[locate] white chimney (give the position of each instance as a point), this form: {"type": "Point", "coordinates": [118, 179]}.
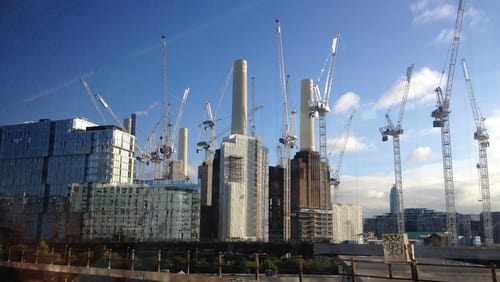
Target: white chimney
{"type": "Point", "coordinates": [183, 149]}
{"type": "Point", "coordinates": [239, 110]}
{"type": "Point", "coordinates": [306, 121]}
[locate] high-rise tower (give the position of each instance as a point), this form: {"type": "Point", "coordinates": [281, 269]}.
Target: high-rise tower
{"type": "Point", "coordinates": [393, 200]}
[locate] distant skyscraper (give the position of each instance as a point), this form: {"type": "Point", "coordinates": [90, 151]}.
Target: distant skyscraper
{"type": "Point", "coordinates": [38, 161]}
{"type": "Point", "coordinates": [393, 198]}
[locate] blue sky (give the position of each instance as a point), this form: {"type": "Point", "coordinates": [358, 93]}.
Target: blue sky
{"type": "Point", "coordinates": [47, 46]}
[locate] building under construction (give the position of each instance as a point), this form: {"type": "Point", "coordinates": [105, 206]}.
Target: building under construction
{"type": "Point", "coordinates": [238, 200]}
{"type": "Point", "coordinates": [347, 223]}
{"type": "Point", "coordinates": [310, 197]}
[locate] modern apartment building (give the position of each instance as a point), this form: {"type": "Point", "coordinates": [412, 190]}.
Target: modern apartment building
{"type": "Point", "coordinates": [38, 162]}
{"type": "Point", "coordinates": [152, 210]}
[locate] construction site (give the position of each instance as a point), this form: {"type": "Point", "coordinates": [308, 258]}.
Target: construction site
{"type": "Point", "coordinates": [77, 179]}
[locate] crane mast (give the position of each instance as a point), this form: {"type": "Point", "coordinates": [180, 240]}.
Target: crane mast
{"type": "Point", "coordinates": [253, 110]}
{"type": "Point", "coordinates": [166, 112]}
{"type": "Point", "coordinates": [170, 149]}
{"type": "Point", "coordinates": [208, 123]}
{"type": "Point", "coordinates": [395, 130]}
{"type": "Point", "coordinates": [320, 108]}
{"type": "Point", "coordinates": [108, 108]}
{"type": "Point", "coordinates": [335, 180]}
{"type": "Point", "coordinates": [287, 138]}
{"type": "Point", "coordinates": [93, 98]}
{"type": "Point", "coordinates": [441, 119]}
{"type": "Point", "coordinates": [483, 143]}
{"type": "Point", "coordinates": [209, 142]}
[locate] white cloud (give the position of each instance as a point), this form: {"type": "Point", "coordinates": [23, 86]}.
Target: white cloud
{"type": "Point", "coordinates": [420, 154]}
{"type": "Point", "coordinates": [475, 18]}
{"type": "Point", "coordinates": [374, 194]}
{"type": "Point", "coordinates": [444, 37]}
{"type": "Point", "coordinates": [429, 131]}
{"type": "Point", "coordinates": [425, 12]}
{"type": "Point", "coordinates": [368, 112]}
{"type": "Point", "coordinates": [422, 85]}
{"type": "Point", "coordinates": [430, 11]}
{"type": "Point", "coordinates": [353, 144]}
{"type": "Point", "coordinates": [346, 102]}
{"type": "Point", "coordinates": [390, 97]}
{"type": "Point", "coordinates": [148, 109]}
{"type": "Point", "coordinates": [419, 5]}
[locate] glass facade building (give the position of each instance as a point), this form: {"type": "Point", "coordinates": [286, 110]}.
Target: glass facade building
{"type": "Point", "coordinates": [146, 211]}
{"type": "Point", "coordinates": [38, 162]}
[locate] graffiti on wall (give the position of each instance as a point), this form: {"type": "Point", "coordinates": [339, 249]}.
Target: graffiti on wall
{"type": "Point", "coordinates": [395, 248]}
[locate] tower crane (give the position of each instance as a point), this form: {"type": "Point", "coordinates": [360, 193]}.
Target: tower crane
{"type": "Point", "coordinates": [319, 108]}
{"type": "Point", "coordinates": [210, 121]}
{"type": "Point", "coordinates": [253, 110]}
{"type": "Point", "coordinates": [108, 108]}
{"type": "Point", "coordinates": [335, 174]}
{"type": "Point", "coordinates": [483, 143]}
{"type": "Point", "coordinates": [94, 101]}
{"type": "Point", "coordinates": [395, 130]}
{"type": "Point", "coordinates": [287, 139]}
{"type": "Point", "coordinates": [166, 112]}
{"type": "Point", "coordinates": [441, 119]}
{"type": "Point", "coordinates": [97, 97]}
{"type": "Point", "coordinates": [169, 148]}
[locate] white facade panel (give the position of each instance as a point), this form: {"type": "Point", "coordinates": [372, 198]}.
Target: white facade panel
{"type": "Point", "coordinates": [243, 196]}
{"type": "Point", "coordinates": [347, 222]}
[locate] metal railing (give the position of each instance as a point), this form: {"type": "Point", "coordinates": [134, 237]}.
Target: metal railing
{"type": "Point", "coordinates": [357, 269]}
